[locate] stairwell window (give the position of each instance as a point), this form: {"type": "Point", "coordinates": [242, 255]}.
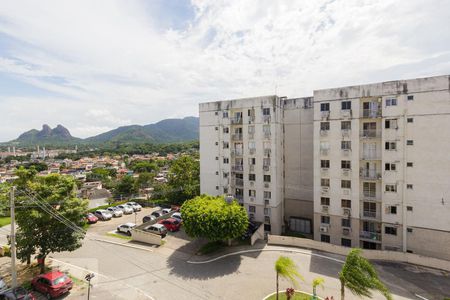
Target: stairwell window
{"type": "Point", "coordinates": [346, 222]}
{"type": "Point", "coordinates": [410, 97]}
{"type": "Point", "coordinates": [391, 124]}
{"type": "Point", "coordinates": [266, 111]}
{"type": "Point", "coordinates": [225, 114]}
{"type": "Point", "coordinates": [346, 145]}
{"type": "Point", "coordinates": [267, 195]}
{"type": "Point", "coordinates": [325, 238]}
{"type": "Point", "coordinates": [391, 210]}
{"type": "Point", "coordinates": [266, 178]}
{"type": "Point", "coordinates": [252, 193]}
{"type": "Point", "coordinates": [226, 130]}
{"type": "Point", "coordinates": [251, 177]}
{"type": "Point", "coordinates": [409, 186]}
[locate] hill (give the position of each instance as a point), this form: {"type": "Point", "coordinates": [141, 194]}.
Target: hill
{"type": "Point", "coordinates": [46, 136]}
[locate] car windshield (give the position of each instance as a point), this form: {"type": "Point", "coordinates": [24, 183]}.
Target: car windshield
{"type": "Point", "coordinates": [59, 280]}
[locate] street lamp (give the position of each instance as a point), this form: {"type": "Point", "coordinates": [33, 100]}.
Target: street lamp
{"type": "Point", "coordinates": [88, 278]}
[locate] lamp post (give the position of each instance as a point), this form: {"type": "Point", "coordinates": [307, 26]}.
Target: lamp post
{"type": "Point", "coordinates": [88, 278]}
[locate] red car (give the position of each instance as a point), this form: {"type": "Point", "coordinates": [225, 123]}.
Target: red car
{"type": "Point", "coordinates": [52, 284]}
{"type": "Point", "coordinates": [171, 224]}
{"type": "Point", "coordinates": [91, 218]}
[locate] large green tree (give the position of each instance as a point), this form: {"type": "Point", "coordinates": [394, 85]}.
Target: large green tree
{"type": "Point", "coordinates": [125, 187]}
{"type": "Point", "coordinates": [184, 179]}
{"type": "Point", "coordinates": [214, 218]}
{"type": "Point", "coordinates": [360, 277]}
{"type": "Point", "coordinates": [42, 203]}
{"type": "Point", "coordinates": [144, 166]}
{"type": "Point", "coordinates": [286, 268]}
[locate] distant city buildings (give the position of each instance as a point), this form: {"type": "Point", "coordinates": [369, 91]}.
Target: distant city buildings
{"type": "Point", "coordinates": [361, 166]}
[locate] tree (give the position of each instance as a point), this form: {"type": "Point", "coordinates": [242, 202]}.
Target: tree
{"type": "Point", "coordinates": [286, 268]}
{"type": "Point", "coordinates": [125, 187]}
{"type": "Point", "coordinates": [213, 218]}
{"type": "Point", "coordinates": [184, 179]}
{"type": "Point", "coordinates": [317, 282]}
{"type": "Point", "coordinates": [144, 180]}
{"type": "Point", "coordinates": [39, 231]}
{"type": "Point", "coordinates": [144, 166]}
{"type": "Point", "coordinates": [360, 277]}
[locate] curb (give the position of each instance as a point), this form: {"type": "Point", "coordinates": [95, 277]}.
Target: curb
{"type": "Point", "coordinates": [297, 291]}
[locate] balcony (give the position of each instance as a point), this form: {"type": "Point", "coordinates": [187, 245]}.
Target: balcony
{"type": "Point", "coordinates": [370, 133]}
{"type": "Point", "coordinates": [239, 182]}
{"type": "Point", "coordinates": [368, 174]}
{"type": "Point", "coordinates": [237, 137]}
{"type": "Point", "coordinates": [237, 168]}
{"type": "Point", "coordinates": [236, 121]}
{"type": "Point", "coordinates": [237, 152]}
{"type": "Point", "coordinates": [324, 133]}
{"type": "Point", "coordinates": [369, 196]}
{"type": "Point", "coordinates": [371, 156]}
{"type": "Point", "coordinates": [267, 135]}
{"type": "Point", "coordinates": [371, 113]}
{"type": "Point", "coordinates": [325, 115]}
{"type": "Point", "coordinates": [369, 214]}
{"type": "Point", "coordinates": [369, 235]}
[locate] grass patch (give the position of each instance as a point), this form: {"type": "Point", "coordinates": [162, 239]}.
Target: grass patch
{"type": "Point", "coordinates": [120, 236]}
{"type": "Point", "coordinates": [210, 247]}
{"type": "Point", "coordinates": [297, 296]}
{"type": "Point", "coordinates": [5, 221]}
{"type": "Point", "coordinates": [78, 282]}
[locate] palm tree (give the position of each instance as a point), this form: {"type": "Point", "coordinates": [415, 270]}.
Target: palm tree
{"type": "Point", "coordinates": [317, 282]}
{"type": "Point", "coordinates": [286, 268]}
{"type": "Point", "coordinates": [360, 277]}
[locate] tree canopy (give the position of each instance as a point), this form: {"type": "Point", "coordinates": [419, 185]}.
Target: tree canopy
{"type": "Point", "coordinates": [125, 187]}
{"type": "Point", "coordinates": [184, 179]}
{"type": "Point", "coordinates": [213, 218]}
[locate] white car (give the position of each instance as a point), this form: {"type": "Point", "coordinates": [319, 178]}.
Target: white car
{"type": "Point", "coordinates": [115, 212]}
{"type": "Point", "coordinates": [126, 228]}
{"type": "Point", "coordinates": [135, 206]}
{"type": "Point", "coordinates": [103, 214]}
{"type": "Point", "coordinates": [126, 209]}
{"type": "Point", "coordinates": [177, 215]}
{"type": "Point", "coordinates": [166, 210]}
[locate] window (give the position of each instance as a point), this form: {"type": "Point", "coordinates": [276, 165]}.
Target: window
{"type": "Point", "coordinates": [252, 193]}
{"type": "Point", "coordinates": [217, 172]}
{"type": "Point", "coordinates": [410, 120]}
{"type": "Point", "coordinates": [324, 238]}
{"type": "Point", "coordinates": [409, 186]}
{"type": "Point", "coordinates": [390, 167]}
{"type": "Point", "coordinates": [324, 164]}
{"type": "Point", "coordinates": [251, 129]}
{"type": "Point", "coordinates": [225, 160]}
{"type": "Point", "coordinates": [251, 177]}
{"type": "Point", "coordinates": [217, 143]}
{"type": "Point", "coordinates": [266, 162]}
{"type": "Point", "coordinates": [391, 210]}
{"type": "Point", "coordinates": [325, 219]}
{"type": "Point", "coordinates": [391, 124]}
{"type": "Point", "coordinates": [267, 211]}
{"type": "Point", "coordinates": [266, 178]}
{"type": "Point", "coordinates": [226, 130]}
{"type": "Point", "coordinates": [226, 145]}
{"type": "Point", "coordinates": [346, 184]}
{"type": "Point", "coordinates": [346, 222]}
{"type": "Point", "coordinates": [391, 101]}
{"type": "Point", "coordinates": [267, 194]}
{"type": "Point", "coordinates": [217, 158]}
{"type": "Point", "coordinates": [216, 128]}
{"type": "Point", "coordinates": [409, 142]}
{"type": "Point", "coordinates": [324, 182]}
{"type": "Point", "coordinates": [324, 201]}
{"type": "Point", "coordinates": [252, 161]}
{"type": "Point", "coordinates": [266, 111]}
{"type": "Point", "coordinates": [216, 113]}
{"type": "Point", "coordinates": [346, 105]}
{"type": "Point", "coordinates": [346, 125]}
{"type": "Point", "coordinates": [252, 145]}
{"type": "Point", "coordinates": [324, 106]}
{"type": "Point", "coordinates": [390, 146]}
{"type": "Point", "coordinates": [346, 242]}
{"type": "Point", "coordinates": [252, 209]}
{"type": "Point", "coordinates": [346, 203]}
{"type": "Point", "coordinates": [346, 145]}
{"type": "Point", "coordinates": [225, 174]}
{"type": "Point", "coordinates": [391, 188]}
{"type": "Point", "coordinates": [410, 97]}
{"type": "Point", "coordinates": [409, 230]}
{"type": "Point", "coordinates": [324, 125]}
{"type": "Point", "coordinates": [217, 187]}
{"type": "Point", "coordinates": [369, 189]}
{"type": "Point", "coordinates": [409, 208]}
{"type": "Point", "coordinates": [225, 114]}
{"type": "Point", "coordinates": [390, 230]}
{"type": "Point", "coordinates": [345, 164]}
{"type": "Point", "coordinates": [409, 164]}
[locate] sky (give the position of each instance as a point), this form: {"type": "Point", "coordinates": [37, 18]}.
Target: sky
{"type": "Point", "coordinates": [95, 65]}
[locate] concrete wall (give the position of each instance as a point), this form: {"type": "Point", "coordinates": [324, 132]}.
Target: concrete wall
{"type": "Point", "coordinates": [145, 237]}
{"type": "Point", "coordinates": [369, 254]}
{"type": "Point", "coordinates": [257, 235]}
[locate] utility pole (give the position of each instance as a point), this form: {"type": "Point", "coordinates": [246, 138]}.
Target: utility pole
{"type": "Point", "coordinates": [13, 241]}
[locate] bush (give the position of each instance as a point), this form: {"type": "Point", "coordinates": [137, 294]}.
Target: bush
{"type": "Point", "coordinates": [6, 251]}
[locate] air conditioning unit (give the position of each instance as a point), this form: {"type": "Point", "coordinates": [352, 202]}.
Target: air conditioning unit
{"type": "Point", "coordinates": [346, 191]}
{"type": "Point", "coordinates": [346, 231]}
{"type": "Point", "coordinates": [347, 211]}
{"type": "Point", "coordinates": [266, 185]}
{"type": "Point", "coordinates": [323, 229]}
{"type": "Point", "coordinates": [345, 172]}
{"type": "Point", "coordinates": [252, 183]}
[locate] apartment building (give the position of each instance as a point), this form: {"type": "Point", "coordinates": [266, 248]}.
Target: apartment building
{"type": "Point", "coordinates": [259, 151]}
{"type": "Point", "coordinates": [382, 166]}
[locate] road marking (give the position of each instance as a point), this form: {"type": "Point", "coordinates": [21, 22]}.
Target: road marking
{"type": "Point", "coordinates": [121, 244]}
{"type": "Point", "coordinates": [261, 250]}
{"type": "Point", "coordinates": [105, 276]}
{"type": "Point", "coordinates": [421, 297]}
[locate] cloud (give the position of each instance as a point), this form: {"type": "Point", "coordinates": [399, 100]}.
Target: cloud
{"type": "Point", "coordinates": [134, 63]}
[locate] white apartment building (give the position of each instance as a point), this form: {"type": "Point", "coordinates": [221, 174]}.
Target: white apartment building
{"type": "Point", "coordinates": [245, 153]}
{"type": "Point", "coordinates": [382, 166]}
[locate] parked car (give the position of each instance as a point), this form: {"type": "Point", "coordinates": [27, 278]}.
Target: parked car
{"type": "Point", "coordinates": [116, 213]}
{"type": "Point", "coordinates": [166, 210]}
{"type": "Point", "coordinates": [157, 213]}
{"type": "Point", "coordinates": [18, 293]}
{"type": "Point", "coordinates": [148, 218]}
{"type": "Point", "coordinates": [103, 214]}
{"type": "Point", "coordinates": [52, 284]}
{"type": "Point", "coordinates": [126, 209]}
{"type": "Point", "coordinates": [91, 218]}
{"type": "Point", "coordinates": [157, 229]}
{"type": "Point", "coordinates": [135, 206]}
{"type": "Point", "coordinates": [126, 228]}
{"type": "Point", "coordinates": [177, 215]}
{"type": "Point", "coordinates": [171, 224]}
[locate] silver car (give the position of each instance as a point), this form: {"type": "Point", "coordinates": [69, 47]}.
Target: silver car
{"type": "Point", "coordinates": [115, 212]}
{"type": "Point", "coordinates": [126, 228]}
{"type": "Point", "coordinates": [135, 206]}
{"type": "Point", "coordinates": [103, 214]}
{"type": "Point", "coordinates": [126, 209]}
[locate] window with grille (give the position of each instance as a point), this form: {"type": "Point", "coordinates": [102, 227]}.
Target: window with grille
{"type": "Point", "coordinates": [346, 105]}
{"type": "Point", "coordinates": [346, 203]}
{"type": "Point", "coordinates": [324, 201]}
{"type": "Point", "coordinates": [346, 184]}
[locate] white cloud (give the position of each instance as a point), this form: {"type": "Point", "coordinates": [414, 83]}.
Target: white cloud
{"type": "Point", "coordinates": [114, 58]}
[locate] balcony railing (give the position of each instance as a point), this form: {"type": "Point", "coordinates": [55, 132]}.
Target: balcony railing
{"type": "Point", "coordinates": [266, 168]}
{"type": "Point", "coordinates": [252, 151]}
{"type": "Point", "coordinates": [370, 196]}
{"type": "Point", "coordinates": [369, 214]}
{"type": "Point", "coordinates": [251, 136]}
{"type": "Point", "coordinates": [266, 119]}
{"type": "Point", "coordinates": [237, 137]}
{"type": "Point", "coordinates": [370, 133]}
{"type": "Point", "coordinates": [236, 120]}
{"type": "Point", "coordinates": [371, 113]}
{"type": "Point", "coordinates": [267, 152]}
{"type": "Point", "coordinates": [369, 174]}
{"type": "Point", "coordinates": [267, 135]}
{"type": "Point", "coordinates": [237, 152]}
{"type": "Point", "coordinates": [239, 182]}
{"type": "Point", "coordinates": [237, 168]}
{"type": "Point", "coordinates": [371, 156]}
{"type": "Point", "coordinates": [369, 235]}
